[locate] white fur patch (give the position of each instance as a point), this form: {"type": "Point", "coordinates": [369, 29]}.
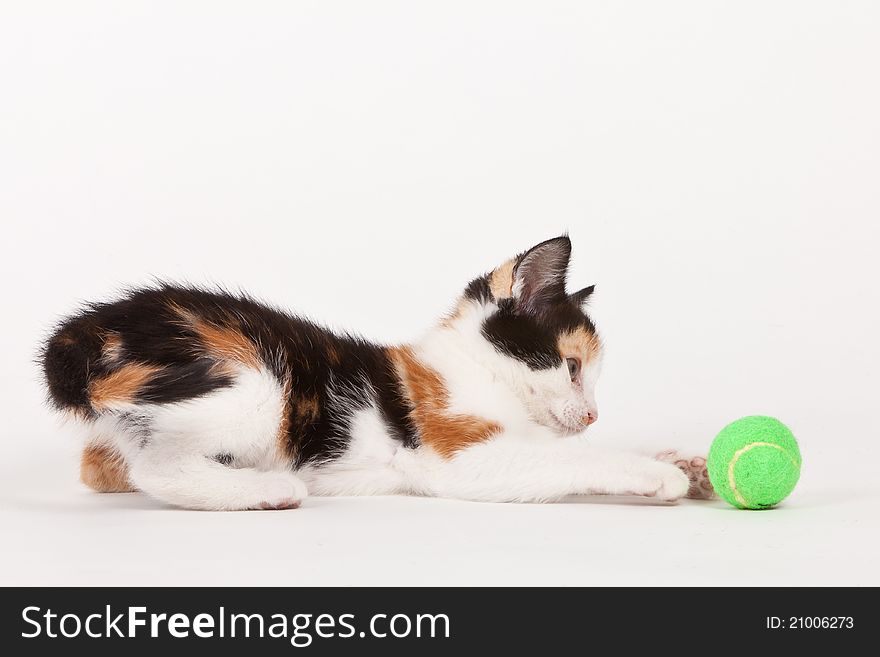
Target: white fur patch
{"type": "Point", "coordinates": [368, 466]}
{"type": "Point", "coordinates": [170, 449]}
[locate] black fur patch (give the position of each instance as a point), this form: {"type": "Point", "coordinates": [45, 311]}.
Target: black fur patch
{"type": "Point", "coordinates": [394, 406]}
{"type": "Point", "coordinates": [176, 383]}
{"type": "Point", "coordinates": [479, 289]}
{"type": "Point", "coordinates": [522, 338]}
{"type": "Point", "coordinates": [533, 339]}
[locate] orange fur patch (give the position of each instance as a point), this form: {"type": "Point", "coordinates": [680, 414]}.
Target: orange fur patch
{"type": "Point", "coordinates": [121, 386]}
{"type": "Point", "coordinates": [580, 343]}
{"type": "Point", "coordinates": [222, 341]}
{"type": "Point", "coordinates": [501, 280]}
{"type": "Point", "coordinates": [102, 469]}
{"type": "Point", "coordinates": [443, 431]}
{"type": "Point", "coordinates": [228, 342]}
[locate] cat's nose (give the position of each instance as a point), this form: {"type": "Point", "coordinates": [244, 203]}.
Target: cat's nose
{"type": "Point", "coordinates": [590, 417]}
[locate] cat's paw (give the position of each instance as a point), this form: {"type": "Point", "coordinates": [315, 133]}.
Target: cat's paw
{"type": "Point", "coordinates": [661, 480]}
{"type": "Point", "coordinates": [694, 467]}
{"type": "Point", "coordinates": [673, 484]}
{"type": "Point", "coordinates": [281, 491]}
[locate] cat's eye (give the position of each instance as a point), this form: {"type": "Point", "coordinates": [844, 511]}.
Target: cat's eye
{"type": "Point", "coordinates": [574, 367]}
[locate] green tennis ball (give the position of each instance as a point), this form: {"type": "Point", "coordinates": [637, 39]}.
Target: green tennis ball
{"type": "Point", "coordinates": [754, 462]}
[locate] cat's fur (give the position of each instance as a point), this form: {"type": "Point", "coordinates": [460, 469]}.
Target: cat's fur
{"type": "Point", "coordinates": [208, 400]}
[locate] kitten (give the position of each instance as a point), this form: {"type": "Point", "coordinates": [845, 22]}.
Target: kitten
{"type": "Point", "coordinates": [207, 400]}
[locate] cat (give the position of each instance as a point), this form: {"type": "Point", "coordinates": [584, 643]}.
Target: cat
{"type": "Point", "coordinates": [208, 400]}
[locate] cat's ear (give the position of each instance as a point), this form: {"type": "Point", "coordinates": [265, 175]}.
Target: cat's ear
{"type": "Point", "coordinates": [539, 275]}
{"type": "Point", "coordinates": [580, 297]}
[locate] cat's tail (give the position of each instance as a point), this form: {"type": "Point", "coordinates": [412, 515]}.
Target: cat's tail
{"type": "Point", "coordinates": [68, 357]}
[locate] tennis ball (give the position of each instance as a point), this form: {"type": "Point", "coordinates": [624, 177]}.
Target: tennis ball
{"type": "Point", "coordinates": [754, 462]}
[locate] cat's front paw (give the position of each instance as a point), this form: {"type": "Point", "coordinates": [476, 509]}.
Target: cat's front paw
{"type": "Point", "coordinates": [661, 480]}
{"type": "Point", "coordinates": [695, 469]}
{"type": "Point", "coordinates": [673, 483]}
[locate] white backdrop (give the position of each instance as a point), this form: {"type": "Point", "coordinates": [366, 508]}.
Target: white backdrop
{"type": "Point", "coordinates": [717, 165]}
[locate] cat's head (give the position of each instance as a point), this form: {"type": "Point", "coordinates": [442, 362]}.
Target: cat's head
{"type": "Point", "coordinates": [537, 336]}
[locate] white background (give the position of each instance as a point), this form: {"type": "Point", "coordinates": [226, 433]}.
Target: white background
{"type": "Point", "coordinates": [717, 165]}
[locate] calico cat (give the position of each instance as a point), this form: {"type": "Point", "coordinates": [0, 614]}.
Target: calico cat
{"type": "Point", "coordinates": [208, 400]}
